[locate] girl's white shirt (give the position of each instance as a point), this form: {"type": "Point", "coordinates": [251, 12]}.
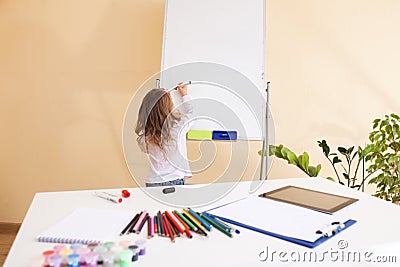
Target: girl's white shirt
{"type": "Point", "coordinates": [172, 163]}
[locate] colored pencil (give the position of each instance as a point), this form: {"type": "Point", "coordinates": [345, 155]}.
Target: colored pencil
{"type": "Point", "coordinates": [166, 230]}
{"type": "Point", "coordinates": [212, 222]}
{"type": "Point", "coordinates": [224, 223]}
{"type": "Point", "coordinates": [160, 221]}
{"type": "Point", "coordinates": [187, 228]}
{"type": "Point", "coordinates": [129, 224]}
{"type": "Point", "coordinates": [139, 224]}
{"type": "Point", "coordinates": [176, 231]}
{"type": "Point", "coordinates": [194, 220]}
{"type": "Point", "coordinates": [134, 223]}
{"type": "Point", "coordinates": [155, 225]}
{"type": "Point", "coordinates": [167, 227]}
{"type": "Point", "coordinates": [175, 221]}
{"type": "Point", "coordinates": [191, 225]}
{"type": "Point", "coordinates": [200, 228]}
{"type": "Point", "coordinates": [149, 226]}
{"type": "Point", "coordinates": [142, 223]}
{"type": "Point", "coordinates": [198, 217]}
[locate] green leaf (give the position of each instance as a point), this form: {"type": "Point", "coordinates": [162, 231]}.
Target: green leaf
{"type": "Point", "coordinates": [376, 123]}
{"type": "Point", "coordinates": [305, 160]}
{"type": "Point", "coordinates": [318, 169]}
{"type": "Point", "coordinates": [292, 158]}
{"type": "Point", "coordinates": [312, 171]}
{"type": "Point", "coordinates": [368, 149]}
{"type": "Point", "coordinates": [336, 160]}
{"type": "Point", "coordinates": [284, 152]}
{"type": "Point", "coordinates": [395, 116]}
{"type": "Point", "coordinates": [330, 179]}
{"type": "Point", "coordinates": [325, 148]}
{"type": "Point", "coordinates": [342, 150]}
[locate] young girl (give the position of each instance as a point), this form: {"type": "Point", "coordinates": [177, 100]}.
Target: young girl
{"type": "Point", "coordinates": [161, 134]}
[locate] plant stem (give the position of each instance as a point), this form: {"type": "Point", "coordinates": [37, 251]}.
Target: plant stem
{"type": "Point", "coordinates": [334, 168]}
{"type": "Point", "coordinates": [355, 173]}
{"type": "Point", "coordinates": [364, 179]}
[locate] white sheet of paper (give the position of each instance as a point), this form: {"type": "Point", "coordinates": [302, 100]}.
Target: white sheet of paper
{"type": "Point", "coordinates": [85, 225]}
{"type": "Point", "coordinates": [277, 217]}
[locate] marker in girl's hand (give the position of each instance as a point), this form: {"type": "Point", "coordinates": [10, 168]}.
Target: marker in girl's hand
{"type": "Point", "coordinates": [183, 84]}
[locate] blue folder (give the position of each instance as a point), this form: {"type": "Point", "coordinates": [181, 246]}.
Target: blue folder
{"type": "Point", "coordinates": [288, 238]}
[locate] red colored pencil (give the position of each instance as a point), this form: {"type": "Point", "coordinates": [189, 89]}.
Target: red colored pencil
{"type": "Point", "coordinates": [166, 230]}
{"type": "Point", "coordinates": [169, 229]}
{"type": "Point", "coordinates": [177, 224]}
{"type": "Point", "coordinates": [155, 225]}
{"type": "Point", "coordinates": [187, 228]}
{"type": "Point", "coordinates": [173, 228]}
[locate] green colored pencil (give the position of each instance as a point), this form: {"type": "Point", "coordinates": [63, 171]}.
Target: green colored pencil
{"type": "Point", "coordinates": [194, 228]}
{"type": "Point", "coordinates": [216, 225]}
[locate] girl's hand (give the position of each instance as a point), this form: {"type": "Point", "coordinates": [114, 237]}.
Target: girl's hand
{"type": "Point", "coordinates": [182, 89]}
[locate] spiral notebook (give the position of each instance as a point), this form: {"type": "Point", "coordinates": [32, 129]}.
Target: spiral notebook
{"type": "Point", "coordinates": [286, 221]}
{"type": "Point", "coordinates": [86, 225]}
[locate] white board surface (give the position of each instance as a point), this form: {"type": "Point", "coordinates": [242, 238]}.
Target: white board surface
{"type": "Point", "coordinates": [222, 43]}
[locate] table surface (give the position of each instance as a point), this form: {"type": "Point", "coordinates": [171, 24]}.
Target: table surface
{"type": "Point", "coordinates": [375, 236]}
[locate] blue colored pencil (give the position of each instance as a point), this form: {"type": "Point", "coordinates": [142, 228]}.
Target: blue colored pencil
{"type": "Point", "coordinates": [198, 217]}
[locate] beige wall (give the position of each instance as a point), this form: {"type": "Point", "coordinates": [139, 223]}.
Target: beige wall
{"type": "Point", "coordinates": [69, 68]}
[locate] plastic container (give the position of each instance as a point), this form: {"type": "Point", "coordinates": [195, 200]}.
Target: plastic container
{"type": "Point", "coordinates": [108, 259]}
{"type": "Point", "coordinates": [125, 258]}
{"type": "Point", "coordinates": [141, 243]}
{"type": "Point", "coordinates": [55, 260]}
{"type": "Point", "coordinates": [46, 254]}
{"type": "Point", "coordinates": [91, 259]}
{"type": "Point", "coordinates": [73, 260]}
{"type": "Point", "coordinates": [135, 250]}
{"type": "Point", "coordinates": [82, 252]}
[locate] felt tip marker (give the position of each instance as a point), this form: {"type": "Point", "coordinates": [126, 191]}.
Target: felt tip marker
{"type": "Point", "coordinates": [108, 196]}
{"type": "Point", "coordinates": [183, 84]}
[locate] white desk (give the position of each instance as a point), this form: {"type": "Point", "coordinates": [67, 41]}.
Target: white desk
{"type": "Point", "coordinates": [377, 230]}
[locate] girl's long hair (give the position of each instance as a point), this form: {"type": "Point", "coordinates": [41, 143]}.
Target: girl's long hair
{"type": "Point", "coordinates": [156, 118]}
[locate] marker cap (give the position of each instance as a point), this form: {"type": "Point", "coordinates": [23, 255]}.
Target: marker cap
{"type": "Point", "coordinates": [125, 193]}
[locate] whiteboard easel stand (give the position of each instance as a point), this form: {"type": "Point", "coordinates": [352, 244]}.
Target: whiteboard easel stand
{"type": "Point", "coordinates": [265, 146]}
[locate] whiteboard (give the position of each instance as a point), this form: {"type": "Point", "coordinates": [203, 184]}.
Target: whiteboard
{"type": "Point", "coordinates": [219, 45]}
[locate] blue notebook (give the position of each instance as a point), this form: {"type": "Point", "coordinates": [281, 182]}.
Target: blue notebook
{"type": "Point", "coordinates": [285, 221]}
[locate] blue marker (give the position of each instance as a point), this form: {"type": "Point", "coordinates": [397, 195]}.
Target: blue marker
{"type": "Point", "coordinates": [203, 222]}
